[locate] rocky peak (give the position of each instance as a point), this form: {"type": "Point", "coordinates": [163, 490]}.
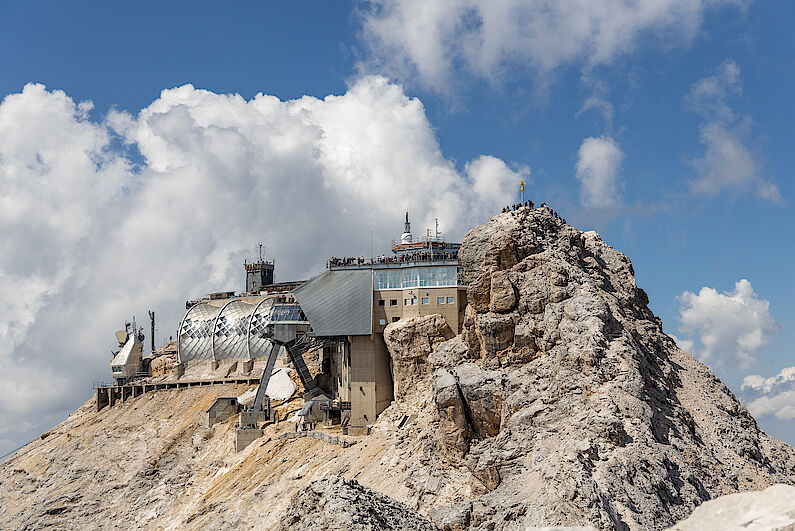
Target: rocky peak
{"type": "Point", "coordinates": [567, 402]}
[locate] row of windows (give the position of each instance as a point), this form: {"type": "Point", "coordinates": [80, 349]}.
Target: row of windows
{"type": "Point", "coordinates": [414, 277]}
{"type": "Point", "coordinates": [413, 301]}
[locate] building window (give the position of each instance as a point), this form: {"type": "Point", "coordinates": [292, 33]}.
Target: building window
{"type": "Point", "coordinates": [395, 319]}
{"type": "Point", "coordinates": [450, 300]}
{"type": "Point", "coordinates": [381, 302]}
{"type": "Point", "coordinates": [382, 322]}
{"type": "Point", "coordinates": [439, 300]}
{"type": "Point", "coordinates": [393, 302]}
{"type": "Point", "coordinates": [425, 300]}
{"type": "Point", "coordinates": [427, 276]}
{"type": "Point", "coordinates": [389, 279]}
{"type": "Point", "coordinates": [445, 276]}
{"type": "Point", "coordinates": [410, 278]}
{"type": "Point", "coordinates": [116, 369]}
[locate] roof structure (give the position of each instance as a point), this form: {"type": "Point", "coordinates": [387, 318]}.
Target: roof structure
{"type": "Point", "coordinates": [338, 303]}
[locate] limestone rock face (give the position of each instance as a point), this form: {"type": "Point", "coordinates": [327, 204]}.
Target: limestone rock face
{"type": "Point", "coordinates": [454, 427]}
{"type": "Point", "coordinates": [337, 503]}
{"type": "Point", "coordinates": [570, 405]}
{"type": "Point", "coordinates": [162, 365]}
{"type": "Point", "coordinates": [502, 296]}
{"type": "Point", "coordinates": [410, 342]}
{"type": "Point", "coordinates": [772, 508]}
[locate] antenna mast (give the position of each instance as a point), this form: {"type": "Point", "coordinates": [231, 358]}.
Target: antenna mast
{"type": "Point", "coordinates": [152, 323]}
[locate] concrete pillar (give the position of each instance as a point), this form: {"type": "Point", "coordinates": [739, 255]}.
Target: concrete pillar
{"type": "Point", "coordinates": [102, 397]}
{"type": "Point", "coordinates": [248, 366]}
{"type": "Point", "coordinates": [246, 436]}
{"type": "Point", "coordinates": [178, 370]}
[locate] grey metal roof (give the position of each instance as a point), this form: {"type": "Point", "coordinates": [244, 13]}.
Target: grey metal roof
{"type": "Point", "coordinates": [338, 303]}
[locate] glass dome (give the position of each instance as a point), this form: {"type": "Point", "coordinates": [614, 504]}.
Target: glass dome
{"type": "Point", "coordinates": [237, 328]}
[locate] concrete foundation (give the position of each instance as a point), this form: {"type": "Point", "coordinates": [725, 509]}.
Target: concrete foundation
{"type": "Point", "coordinates": [246, 436]}
{"type": "Point", "coordinates": [178, 370]}
{"type": "Point", "coordinates": [222, 409]}
{"type": "Point", "coordinates": [358, 430]}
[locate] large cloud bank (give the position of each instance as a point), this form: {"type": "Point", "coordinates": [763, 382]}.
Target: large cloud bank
{"type": "Point", "coordinates": [730, 326]}
{"type": "Point", "coordinates": [102, 220]}
{"type": "Point", "coordinates": [433, 41]}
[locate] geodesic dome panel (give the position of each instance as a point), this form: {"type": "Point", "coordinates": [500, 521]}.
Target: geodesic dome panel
{"type": "Point", "coordinates": [231, 330]}
{"type": "Point", "coordinates": [258, 346]}
{"type": "Point", "coordinates": [196, 332]}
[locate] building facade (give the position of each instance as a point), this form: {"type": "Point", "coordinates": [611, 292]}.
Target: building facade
{"type": "Point", "coordinates": [347, 306]}
{"type": "Point", "coordinates": [422, 277]}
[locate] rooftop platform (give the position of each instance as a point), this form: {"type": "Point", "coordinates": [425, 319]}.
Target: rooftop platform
{"type": "Point", "coordinates": [367, 264]}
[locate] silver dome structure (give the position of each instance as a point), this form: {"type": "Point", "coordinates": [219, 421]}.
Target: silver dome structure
{"type": "Point", "coordinates": [232, 328]}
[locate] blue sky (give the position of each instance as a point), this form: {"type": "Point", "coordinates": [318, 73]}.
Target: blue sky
{"type": "Point", "coordinates": [482, 103]}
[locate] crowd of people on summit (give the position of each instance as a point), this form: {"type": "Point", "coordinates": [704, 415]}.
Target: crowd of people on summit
{"type": "Point", "coordinates": [530, 204]}
{"type": "Point", "coordinates": [417, 256]}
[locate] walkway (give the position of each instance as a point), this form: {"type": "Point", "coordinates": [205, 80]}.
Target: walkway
{"type": "Point", "coordinates": [113, 394]}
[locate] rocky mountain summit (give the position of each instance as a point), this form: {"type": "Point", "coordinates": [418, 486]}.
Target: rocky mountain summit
{"type": "Point", "coordinates": [561, 403]}
{"type": "Point", "coordinates": [564, 399]}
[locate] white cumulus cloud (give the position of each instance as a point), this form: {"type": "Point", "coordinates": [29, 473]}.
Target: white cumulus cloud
{"type": "Point", "coordinates": [731, 326]}
{"type": "Point", "coordinates": [598, 166]}
{"type": "Point", "coordinates": [773, 396]}
{"type": "Point", "coordinates": [432, 41]}
{"type": "Point", "coordinates": [759, 383]}
{"type": "Point", "coordinates": [92, 235]}
{"type": "Point", "coordinates": [781, 406]}
{"type": "Point", "coordinates": [727, 163]}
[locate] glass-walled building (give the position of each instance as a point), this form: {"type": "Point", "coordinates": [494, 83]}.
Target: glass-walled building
{"type": "Point", "coordinates": [410, 276]}
{"type": "Point", "coordinates": [421, 277]}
